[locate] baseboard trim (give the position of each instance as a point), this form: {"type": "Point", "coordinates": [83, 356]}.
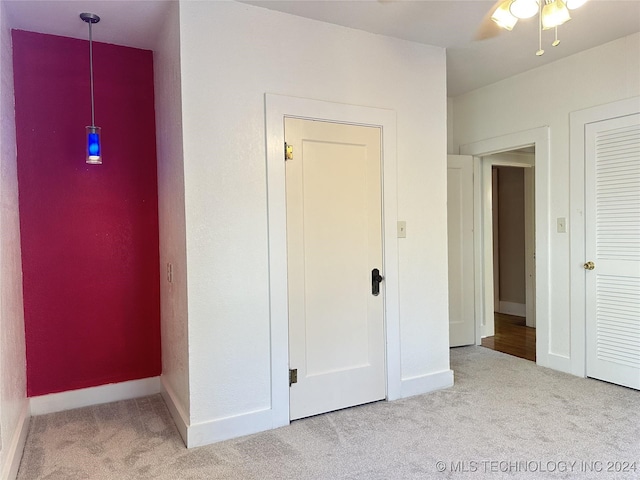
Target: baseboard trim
{"type": "Point", "coordinates": [16, 447]}
{"type": "Point", "coordinates": [561, 363]}
{"type": "Point", "coordinates": [232, 427]}
{"type": "Point", "coordinates": [84, 397]}
{"type": "Point", "coordinates": [512, 308]}
{"type": "Point", "coordinates": [176, 409]}
{"type": "Point", "coordinates": [426, 383]}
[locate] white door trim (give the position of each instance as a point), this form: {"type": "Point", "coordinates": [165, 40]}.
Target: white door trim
{"type": "Point", "coordinates": [539, 137]}
{"type": "Point", "coordinates": [276, 108]}
{"type": "Point", "coordinates": [577, 123]}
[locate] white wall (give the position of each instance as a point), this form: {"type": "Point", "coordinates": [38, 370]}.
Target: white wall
{"type": "Point", "coordinates": [511, 234]}
{"type": "Point", "coordinates": [546, 96]}
{"type": "Point", "coordinates": [173, 295]}
{"type": "Point", "coordinates": [13, 401]}
{"type": "Point", "coordinates": [231, 55]}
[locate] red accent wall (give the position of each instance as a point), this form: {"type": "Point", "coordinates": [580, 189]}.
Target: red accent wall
{"type": "Point", "coordinates": [89, 233]}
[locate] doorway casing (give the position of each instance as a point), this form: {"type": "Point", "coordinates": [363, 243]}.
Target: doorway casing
{"type": "Point", "coordinates": [277, 107]}
{"type": "Point", "coordinates": [539, 138]}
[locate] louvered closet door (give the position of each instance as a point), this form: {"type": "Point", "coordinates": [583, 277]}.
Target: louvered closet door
{"type": "Point", "coordinates": [612, 176]}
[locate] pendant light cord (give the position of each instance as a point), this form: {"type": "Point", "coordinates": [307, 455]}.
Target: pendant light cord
{"type": "Point", "coordinates": [93, 117]}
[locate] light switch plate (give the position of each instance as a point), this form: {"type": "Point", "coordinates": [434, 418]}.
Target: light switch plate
{"type": "Point", "coordinates": [562, 225]}
{"type": "Point", "coordinates": [402, 229]}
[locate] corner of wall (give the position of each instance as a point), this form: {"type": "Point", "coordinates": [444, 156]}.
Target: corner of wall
{"type": "Point", "coordinates": [176, 409]}
{"type": "Point", "coordinates": [171, 219]}
{"type": "Point", "coordinates": [14, 405]}
{"type": "Point", "coordinates": [12, 453]}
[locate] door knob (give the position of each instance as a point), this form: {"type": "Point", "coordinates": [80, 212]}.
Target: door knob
{"type": "Point", "coordinates": [376, 278]}
{"type": "Point", "coordinates": [589, 266]}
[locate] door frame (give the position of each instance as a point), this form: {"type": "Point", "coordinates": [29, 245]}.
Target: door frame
{"type": "Point", "coordinates": [277, 107]}
{"type": "Point", "coordinates": [540, 139]}
{"type": "Point", "coordinates": [577, 124]}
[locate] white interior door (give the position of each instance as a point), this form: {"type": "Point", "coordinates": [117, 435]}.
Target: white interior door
{"type": "Point", "coordinates": [612, 223]}
{"type": "Point", "coordinates": [460, 234]}
{"type": "Point", "coordinates": [334, 241]}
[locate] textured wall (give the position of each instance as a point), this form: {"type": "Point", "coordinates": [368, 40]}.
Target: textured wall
{"type": "Point", "coordinates": [175, 348]}
{"type": "Point", "coordinates": [89, 233]}
{"type": "Point", "coordinates": [231, 54]}
{"type": "Point", "coordinates": [13, 395]}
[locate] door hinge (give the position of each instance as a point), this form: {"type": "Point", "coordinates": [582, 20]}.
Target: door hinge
{"type": "Point", "coordinates": [288, 151]}
{"type": "Point", "coordinates": [293, 376]}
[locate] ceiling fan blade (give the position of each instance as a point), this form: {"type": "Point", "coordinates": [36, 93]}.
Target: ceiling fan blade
{"type": "Point", "coordinates": [488, 28]}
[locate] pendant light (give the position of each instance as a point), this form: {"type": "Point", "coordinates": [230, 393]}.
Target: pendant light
{"type": "Point", "coordinates": [94, 154]}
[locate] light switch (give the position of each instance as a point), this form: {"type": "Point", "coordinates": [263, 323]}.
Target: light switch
{"type": "Point", "coordinates": [402, 229]}
{"type": "Point", "coordinates": [562, 225]}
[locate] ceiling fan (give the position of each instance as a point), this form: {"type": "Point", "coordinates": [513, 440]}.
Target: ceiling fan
{"type": "Point", "coordinates": [504, 15]}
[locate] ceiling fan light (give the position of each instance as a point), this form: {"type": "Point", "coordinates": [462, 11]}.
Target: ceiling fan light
{"type": "Point", "coordinates": [573, 4]}
{"type": "Point", "coordinates": [554, 14]}
{"type": "Point", "coordinates": [503, 17]}
{"type": "Point", "coordinates": [523, 8]}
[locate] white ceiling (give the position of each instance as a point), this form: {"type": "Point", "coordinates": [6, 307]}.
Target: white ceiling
{"type": "Point", "coordinates": [134, 23]}
{"type": "Point", "coordinates": [450, 23]}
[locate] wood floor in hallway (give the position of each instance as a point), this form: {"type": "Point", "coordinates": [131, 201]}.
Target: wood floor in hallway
{"type": "Point", "coordinates": [512, 336]}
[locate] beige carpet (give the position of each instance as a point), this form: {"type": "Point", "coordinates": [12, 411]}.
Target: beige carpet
{"type": "Point", "coordinates": [504, 418]}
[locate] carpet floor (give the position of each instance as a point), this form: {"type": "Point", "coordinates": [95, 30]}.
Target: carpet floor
{"type": "Point", "coordinates": [505, 417]}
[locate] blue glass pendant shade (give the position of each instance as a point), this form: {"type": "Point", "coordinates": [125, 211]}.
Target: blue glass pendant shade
{"type": "Point", "coordinates": [94, 155]}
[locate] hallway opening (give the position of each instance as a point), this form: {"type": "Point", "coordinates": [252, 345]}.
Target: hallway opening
{"type": "Point", "coordinates": [512, 336]}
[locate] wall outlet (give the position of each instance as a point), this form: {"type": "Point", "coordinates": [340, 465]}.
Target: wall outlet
{"type": "Point", "coordinates": [169, 272]}
{"type": "Point", "coordinates": [402, 229]}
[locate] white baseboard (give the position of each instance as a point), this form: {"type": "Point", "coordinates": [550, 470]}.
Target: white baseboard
{"type": "Point", "coordinates": [562, 363]}
{"type": "Point", "coordinates": [84, 397]}
{"type": "Point", "coordinates": [16, 445]}
{"type": "Point", "coordinates": [225, 428]}
{"type": "Point", "coordinates": [512, 308]}
{"type": "Point", "coordinates": [176, 409]}
{"type": "Point", "coordinates": [205, 433]}
{"type": "Point", "coordinates": [426, 383]}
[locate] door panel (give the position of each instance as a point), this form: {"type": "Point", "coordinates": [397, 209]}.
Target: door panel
{"type": "Point", "coordinates": [334, 240]}
{"type": "Point", "coordinates": [460, 233]}
{"type": "Point", "coordinates": [612, 176]}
